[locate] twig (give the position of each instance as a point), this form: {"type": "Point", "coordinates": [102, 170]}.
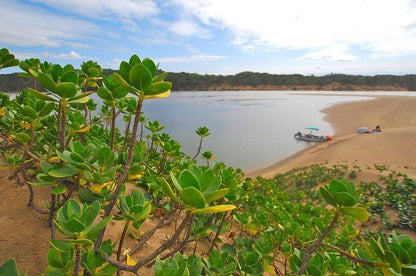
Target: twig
{"type": "Point", "coordinates": [350, 256]}
{"type": "Point", "coordinates": [149, 234]}
{"type": "Point", "coordinates": [317, 243]}
{"type": "Point", "coordinates": [155, 253]}
{"type": "Point", "coordinates": [217, 233]}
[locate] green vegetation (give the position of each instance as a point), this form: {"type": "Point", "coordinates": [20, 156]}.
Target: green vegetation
{"type": "Point", "coordinates": [259, 81]}
{"type": "Point", "coordinates": [300, 222]}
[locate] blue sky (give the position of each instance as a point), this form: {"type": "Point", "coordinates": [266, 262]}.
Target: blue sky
{"type": "Point", "coordinates": [218, 36]}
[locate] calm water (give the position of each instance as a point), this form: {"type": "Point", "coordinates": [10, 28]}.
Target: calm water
{"type": "Point", "coordinates": [249, 129]}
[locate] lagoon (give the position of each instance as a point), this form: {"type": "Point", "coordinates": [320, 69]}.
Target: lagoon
{"type": "Point", "coordinates": [249, 129]}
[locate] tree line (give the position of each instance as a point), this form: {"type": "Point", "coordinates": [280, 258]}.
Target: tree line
{"type": "Point", "coordinates": [259, 81]}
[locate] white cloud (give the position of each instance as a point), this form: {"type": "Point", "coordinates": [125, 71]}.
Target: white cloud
{"type": "Point", "coordinates": [304, 24]}
{"type": "Point", "coordinates": [193, 58]}
{"type": "Point", "coordinates": [186, 27]}
{"type": "Point", "coordinates": [49, 56]}
{"type": "Point", "coordinates": [71, 55]}
{"type": "Point", "coordinates": [334, 53]}
{"type": "Point", "coordinates": [22, 25]}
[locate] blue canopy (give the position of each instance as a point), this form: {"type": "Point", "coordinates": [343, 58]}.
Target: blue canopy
{"type": "Point", "coordinates": [312, 128]}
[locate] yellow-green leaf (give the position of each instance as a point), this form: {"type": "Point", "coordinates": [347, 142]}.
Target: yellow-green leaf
{"type": "Point", "coordinates": [358, 213]}
{"type": "Point", "coordinates": [214, 209]}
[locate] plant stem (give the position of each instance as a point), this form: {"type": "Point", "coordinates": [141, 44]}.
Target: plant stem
{"type": "Point", "coordinates": [113, 125]}
{"type": "Point", "coordinates": [167, 244]}
{"type": "Point", "coordinates": [146, 236]}
{"type": "Point", "coordinates": [120, 245]}
{"type": "Point", "coordinates": [77, 259]}
{"type": "Point", "coordinates": [349, 256]}
{"type": "Point", "coordinates": [317, 243]}
{"type": "Point", "coordinates": [217, 233]}
{"type": "Point", "coordinates": [199, 148]}
{"type": "Point", "coordinates": [126, 134]}
{"type": "Point", "coordinates": [51, 215]}
{"type": "Point", "coordinates": [123, 175]}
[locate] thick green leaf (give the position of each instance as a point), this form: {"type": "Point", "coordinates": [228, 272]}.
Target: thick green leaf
{"type": "Point", "coordinates": [400, 253]}
{"type": "Point", "coordinates": [393, 261]}
{"type": "Point", "coordinates": [345, 199]}
{"type": "Point", "coordinates": [93, 232]}
{"type": "Point", "coordinates": [47, 108]}
{"type": "Point", "coordinates": [160, 77]}
{"type": "Point", "coordinates": [80, 98]}
{"type": "Point", "coordinates": [134, 60]}
{"type": "Point", "coordinates": [85, 242]}
{"type": "Point", "coordinates": [54, 258]}
{"type": "Point", "coordinates": [11, 63]}
{"type": "Point", "coordinates": [29, 112]}
{"type": "Point", "coordinates": [65, 171]}
{"type": "Point", "coordinates": [157, 88]}
{"type": "Point", "coordinates": [336, 186]}
{"type": "Point", "coordinates": [206, 179]}
{"type": "Point", "coordinates": [40, 95]}
{"type": "Point", "coordinates": [412, 253]}
{"type": "Point", "coordinates": [70, 76]}
{"type": "Point", "coordinates": [214, 209]}
{"type": "Point", "coordinates": [46, 82]}
{"type": "Point", "coordinates": [57, 72]}
{"type": "Point", "coordinates": [22, 137]}
{"type": "Point", "coordinates": [167, 189]}
{"type": "Point", "coordinates": [61, 245]}
{"type": "Point", "coordinates": [9, 268]}
{"type": "Point", "coordinates": [150, 65]}
{"type": "Point", "coordinates": [409, 270]}
{"type": "Point", "coordinates": [104, 93]}
{"type": "Point", "coordinates": [188, 179]}
{"type": "Point", "coordinates": [216, 195]}
{"type": "Point", "coordinates": [125, 84]}
{"type": "Point", "coordinates": [120, 92]}
{"type": "Point", "coordinates": [59, 190]}
{"type": "Point", "coordinates": [327, 196]}
{"type": "Point", "coordinates": [66, 89]}
{"type": "Point", "coordinates": [74, 225]}
{"type": "Point", "coordinates": [175, 182]}
{"type": "Point", "coordinates": [104, 155]}
{"type": "Point", "coordinates": [140, 77]}
{"type": "Point", "coordinates": [358, 213]}
{"type": "Point", "coordinates": [125, 70]}
{"type": "Point", "coordinates": [192, 197]}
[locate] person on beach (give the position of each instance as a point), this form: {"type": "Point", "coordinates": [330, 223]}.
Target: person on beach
{"type": "Point", "coordinates": [377, 129]}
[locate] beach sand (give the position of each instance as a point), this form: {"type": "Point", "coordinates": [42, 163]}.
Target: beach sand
{"type": "Point", "coordinates": [395, 146]}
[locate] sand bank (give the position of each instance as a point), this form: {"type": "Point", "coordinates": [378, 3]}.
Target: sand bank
{"type": "Point", "coordinates": [395, 146]}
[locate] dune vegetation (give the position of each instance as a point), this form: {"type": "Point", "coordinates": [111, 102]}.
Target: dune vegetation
{"type": "Point", "coordinates": [109, 192]}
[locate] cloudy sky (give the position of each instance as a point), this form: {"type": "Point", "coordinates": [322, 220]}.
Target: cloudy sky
{"type": "Point", "coordinates": [218, 36]}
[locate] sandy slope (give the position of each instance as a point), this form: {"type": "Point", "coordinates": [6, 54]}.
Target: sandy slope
{"type": "Point", "coordinates": [394, 146]}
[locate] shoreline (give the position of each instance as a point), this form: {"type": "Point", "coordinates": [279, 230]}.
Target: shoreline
{"type": "Point", "coordinates": [394, 146]}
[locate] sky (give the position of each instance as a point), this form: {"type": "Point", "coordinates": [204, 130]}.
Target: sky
{"type": "Point", "coordinates": [220, 37]}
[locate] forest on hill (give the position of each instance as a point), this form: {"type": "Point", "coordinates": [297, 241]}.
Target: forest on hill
{"type": "Point", "coordinates": [259, 81]}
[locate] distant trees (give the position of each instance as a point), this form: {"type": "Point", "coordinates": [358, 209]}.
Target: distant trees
{"type": "Point", "coordinates": [259, 81]}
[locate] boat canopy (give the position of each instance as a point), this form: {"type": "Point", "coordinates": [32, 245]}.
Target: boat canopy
{"type": "Point", "coordinates": [312, 128]}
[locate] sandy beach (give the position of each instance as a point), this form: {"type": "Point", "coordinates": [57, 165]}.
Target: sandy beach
{"type": "Point", "coordinates": [395, 146]}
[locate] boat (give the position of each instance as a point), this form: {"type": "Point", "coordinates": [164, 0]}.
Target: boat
{"type": "Point", "coordinates": [312, 136]}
